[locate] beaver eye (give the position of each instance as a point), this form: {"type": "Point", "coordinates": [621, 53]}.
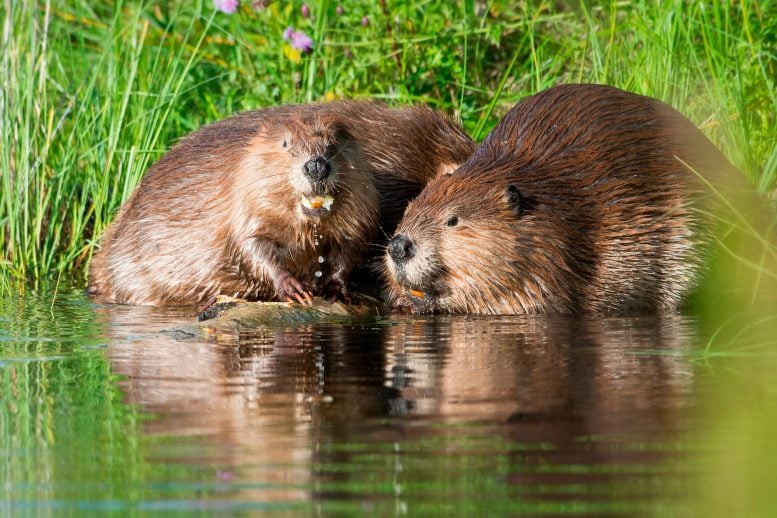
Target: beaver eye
{"type": "Point", "coordinates": [515, 200]}
{"type": "Point", "coordinates": [452, 221]}
{"type": "Point", "coordinates": [285, 144]}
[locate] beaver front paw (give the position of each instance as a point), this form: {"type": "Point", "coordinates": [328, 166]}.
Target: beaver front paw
{"type": "Point", "coordinates": [289, 289]}
{"type": "Point", "coordinates": [336, 288]}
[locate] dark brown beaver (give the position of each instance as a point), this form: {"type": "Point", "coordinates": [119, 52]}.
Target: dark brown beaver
{"type": "Point", "coordinates": [275, 203]}
{"type": "Point", "coordinates": [579, 200]}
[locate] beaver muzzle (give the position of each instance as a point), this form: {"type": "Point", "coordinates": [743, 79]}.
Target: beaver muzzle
{"type": "Point", "coordinates": [401, 248]}
{"type": "Point", "coordinates": [318, 202]}
{"type": "Point", "coordinates": [317, 169]}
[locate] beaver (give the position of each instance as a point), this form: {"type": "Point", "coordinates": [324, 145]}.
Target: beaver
{"type": "Point", "coordinates": [583, 198]}
{"type": "Point", "coordinates": [274, 203]}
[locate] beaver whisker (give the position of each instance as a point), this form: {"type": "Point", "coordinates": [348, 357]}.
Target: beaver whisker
{"type": "Point", "coordinates": [385, 234]}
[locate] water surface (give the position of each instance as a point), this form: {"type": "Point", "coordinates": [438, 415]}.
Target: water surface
{"type": "Point", "coordinates": [115, 409]}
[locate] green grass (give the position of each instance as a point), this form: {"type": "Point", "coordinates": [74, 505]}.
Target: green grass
{"type": "Point", "coordinates": [93, 92]}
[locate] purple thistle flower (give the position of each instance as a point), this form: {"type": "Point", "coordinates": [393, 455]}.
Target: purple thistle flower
{"type": "Point", "coordinates": [339, 10]}
{"type": "Point", "coordinates": [365, 21]}
{"type": "Point", "coordinates": [260, 5]}
{"type": "Point", "coordinates": [225, 476]}
{"type": "Point", "coordinates": [298, 40]}
{"type": "Point", "coordinates": [305, 11]}
{"type": "Point", "coordinates": [226, 6]}
{"type": "Point", "coordinates": [301, 41]}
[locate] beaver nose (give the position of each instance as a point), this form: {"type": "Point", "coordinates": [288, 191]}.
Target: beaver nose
{"type": "Point", "coordinates": [317, 168]}
{"type": "Point", "coordinates": [401, 248]}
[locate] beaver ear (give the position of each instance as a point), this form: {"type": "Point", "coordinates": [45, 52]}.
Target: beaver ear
{"type": "Point", "coordinates": [515, 200]}
{"type": "Point", "coordinates": [341, 131]}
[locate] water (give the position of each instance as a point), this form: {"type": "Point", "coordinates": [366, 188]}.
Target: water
{"type": "Point", "coordinates": [112, 409]}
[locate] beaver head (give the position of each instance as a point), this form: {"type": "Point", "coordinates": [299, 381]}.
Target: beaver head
{"type": "Point", "coordinates": [488, 240]}
{"type": "Point", "coordinates": [309, 164]}
{"type": "Point", "coordinates": [320, 155]}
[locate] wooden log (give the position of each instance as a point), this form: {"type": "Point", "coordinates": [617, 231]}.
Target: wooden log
{"type": "Point", "coordinates": [227, 313]}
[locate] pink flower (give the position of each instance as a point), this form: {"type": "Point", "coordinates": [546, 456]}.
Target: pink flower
{"type": "Point", "coordinates": [365, 21]}
{"type": "Point", "coordinates": [298, 39]}
{"type": "Point", "coordinates": [302, 41]}
{"type": "Point", "coordinates": [305, 11]}
{"type": "Point", "coordinates": [225, 476]}
{"type": "Point", "coordinates": [226, 6]}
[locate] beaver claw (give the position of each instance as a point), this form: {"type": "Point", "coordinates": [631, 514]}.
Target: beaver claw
{"type": "Point", "coordinates": [289, 289]}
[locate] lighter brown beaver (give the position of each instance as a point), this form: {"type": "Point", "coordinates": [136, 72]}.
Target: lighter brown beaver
{"type": "Point", "coordinates": [584, 198]}
{"type": "Point", "coordinates": [279, 203]}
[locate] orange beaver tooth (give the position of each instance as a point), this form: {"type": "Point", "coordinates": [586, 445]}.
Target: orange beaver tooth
{"type": "Point", "coordinates": [419, 294]}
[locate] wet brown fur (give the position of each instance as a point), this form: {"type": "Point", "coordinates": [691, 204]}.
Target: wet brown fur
{"type": "Point", "coordinates": [405, 149]}
{"type": "Point", "coordinates": [219, 213]}
{"type": "Point", "coordinates": [608, 219]}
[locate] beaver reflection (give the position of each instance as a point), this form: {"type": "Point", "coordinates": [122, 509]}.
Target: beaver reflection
{"type": "Point", "coordinates": [279, 404]}
{"type": "Point", "coordinates": [255, 400]}
{"type": "Point", "coordinates": [550, 390]}
{"type": "Point", "coordinates": [512, 368]}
